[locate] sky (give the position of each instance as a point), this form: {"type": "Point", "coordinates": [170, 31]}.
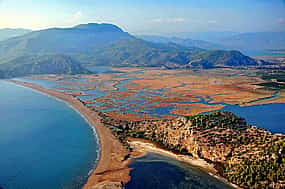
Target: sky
{"type": "Point", "coordinates": [147, 16]}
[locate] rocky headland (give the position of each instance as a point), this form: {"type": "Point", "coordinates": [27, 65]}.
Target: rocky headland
{"type": "Point", "coordinates": [221, 143]}
{"type": "Point", "coordinates": [245, 155]}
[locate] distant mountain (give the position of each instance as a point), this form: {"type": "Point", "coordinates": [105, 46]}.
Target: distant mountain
{"type": "Point", "coordinates": [181, 41]}
{"type": "Point", "coordinates": [99, 28]}
{"type": "Point", "coordinates": [9, 33]}
{"type": "Point", "coordinates": [83, 38]}
{"type": "Point", "coordinates": [255, 41]}
{"type": "Point", "coordinates": [140, 53]}
{"type": "Point", "coordinates": [219, 58]}
{"type": "Point", "coordinates": [46, 64]}
{"type": "Point", "coordinates": [213, 37]}
{"type": "Point", "coordinates": [108, 45]}
{"type": "Point", "coordinates": [246, 42]}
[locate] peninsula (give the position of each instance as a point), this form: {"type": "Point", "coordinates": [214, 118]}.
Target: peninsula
{"type": "Point", "coordinates": [220, 143]}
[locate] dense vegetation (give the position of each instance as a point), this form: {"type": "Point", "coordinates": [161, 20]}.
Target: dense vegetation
{"type": "Point", "coordinates": [273, 85]}
{"type": "Point", "coordinates": [275, 78]}
{"type": "Point", "coordinates": [278, 75]}
{"type": "Point", "coordinates": [267, 172]}
{"type": "Point", "coordinates": [247, 156]}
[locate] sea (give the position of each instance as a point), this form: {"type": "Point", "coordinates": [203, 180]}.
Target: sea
{"type": "Point", "coordinates": [44, 143]}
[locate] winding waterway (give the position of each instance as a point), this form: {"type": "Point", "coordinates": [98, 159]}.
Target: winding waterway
{"type": "Point", "coordinates": [53, 147]}
{"type": "Point", "coordinates": [46, 144]}
{"type": "Point", "coordinates": [43, 142]}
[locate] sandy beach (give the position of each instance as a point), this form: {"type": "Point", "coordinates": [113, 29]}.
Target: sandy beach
{"type": "Point", "coordinates": [142, 147]}
{"type": "Point", "coordinates": [112, 169]}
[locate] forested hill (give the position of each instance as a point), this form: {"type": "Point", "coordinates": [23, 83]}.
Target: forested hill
{"type": "Point", "coordinates": [245, 155]}
{"type": "Point", "coordinates": [106, 44]}
{"type": "Point", "coordinates": [81, 39]}
{"type": "Point", "coordinates": [46, 64]}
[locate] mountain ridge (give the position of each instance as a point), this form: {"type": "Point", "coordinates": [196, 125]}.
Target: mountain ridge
{"type": "Point", "coordinates": [243, 41]}
{"type": "Point", "coordinates": [45, 64]}
{"type": "Point", "coordinates": [188, 42]}
{"type": "Point", "coordinates": [60, 40]}
{"type": "Point", "coordinates": [106, 44]}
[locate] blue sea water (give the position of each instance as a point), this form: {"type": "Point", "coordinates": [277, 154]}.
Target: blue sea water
{"type": "Point", "coordinates": [46, 144]}
{"type": "Point", "coordinates": [43, 142]}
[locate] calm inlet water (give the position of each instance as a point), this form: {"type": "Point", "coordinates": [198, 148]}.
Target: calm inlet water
{"type": "Point", "coordinates": [268, 116]}
{"type": "Point", "coordinates": [43, 142]}
{"type": "Point", "coordinates": [46, 144]}
{"type": "Point", "coordinates": [158, 172]}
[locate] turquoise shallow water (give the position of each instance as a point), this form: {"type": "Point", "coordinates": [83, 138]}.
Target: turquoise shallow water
{"type": "Point", "coordinates": [43, 142]}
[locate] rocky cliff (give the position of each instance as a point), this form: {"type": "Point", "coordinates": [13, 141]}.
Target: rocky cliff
{"type": "Point", "coordinates": [246, 155]}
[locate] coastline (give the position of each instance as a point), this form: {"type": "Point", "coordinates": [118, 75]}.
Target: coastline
{"type": "Point", "coordinates": [112, 169]}
{"type": "Point", "coordinates": [142, 147]}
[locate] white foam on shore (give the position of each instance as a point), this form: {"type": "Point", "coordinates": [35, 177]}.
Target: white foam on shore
{"type": "Point", "coordinates": [94, 132]}
{"type": "Point", "coordinates": [154, 149]}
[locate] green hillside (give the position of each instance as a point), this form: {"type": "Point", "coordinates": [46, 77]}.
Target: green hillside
{"type": "Point", "coordinates": [108, 45]}
{"type": "Point", "coordinates": [47, 64]}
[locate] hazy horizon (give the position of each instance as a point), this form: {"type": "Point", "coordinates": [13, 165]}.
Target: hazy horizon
{"type": "Point", "coordinates": [148, 17]}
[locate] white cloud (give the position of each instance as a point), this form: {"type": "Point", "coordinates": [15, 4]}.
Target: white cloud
{"type": "Point", "coordinates": [212, 21]}
{"type": "Point", "coordinates": [168, 20]}
{"type": "Point", "coordinates": [75, 17]}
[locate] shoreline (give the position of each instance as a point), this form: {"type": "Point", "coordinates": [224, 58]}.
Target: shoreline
{"type": "Point", "coordinates": [112, 168]}
{"type": "Point", "coordinates": [143, 147]}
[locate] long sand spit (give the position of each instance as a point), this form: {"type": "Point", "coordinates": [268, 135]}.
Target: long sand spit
{"type": "Point", "coordinates": [112, 169]}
